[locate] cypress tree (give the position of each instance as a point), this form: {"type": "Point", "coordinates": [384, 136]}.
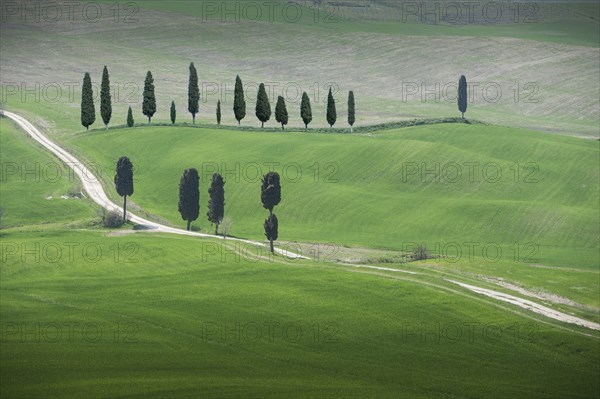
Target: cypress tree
{"type": "Point", "coordinates": [239, 104]}
{"type": "Point", "coordinates": [263, 107]}
{"type": "Point", "coordinates": [129, 117]}
{"type": "Point", "coordinates": [331, 112]}
{"type": "Point", "coordinates": [462, 95]}
{"type": "Point", "coordinates": [124, 181]}
{"type": "Point", "coordinates": [193, 93]}
{"type": "Point", "coordinates": [173, 112]}
{"type": "Point", "coordinates": [270, 195]}
{"type": "Point", "coordinates": [105, 101]}
{"type": "Point", "coordinates": [219, 112]}
{"type": "Point", "coordinates": [305, 110]}
{"type": "Point", "coordinates": [149, 102]}
{"type": "Point", "coordinates": [281, 114]}
{"type": "Point", "coordinates": [271, 230]}
{"type": "Point", "coordinates": [88, 111]}
{"type": "Point", "coordinates": [216, 201]}
{"type": "Point", "coordinates": [351, 112]}
{"type": "Point", "coordinates": [189, 196]}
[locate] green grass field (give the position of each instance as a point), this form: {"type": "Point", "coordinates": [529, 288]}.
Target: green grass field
{"type": "Point", "coordinates": [507, 201]}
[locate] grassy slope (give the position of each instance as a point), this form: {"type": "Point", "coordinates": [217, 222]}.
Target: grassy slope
{"type": "Point", "coordinates": [167, 307]}
{"type": "Point", "coordinates": [29, 177]}
{"type": "Point", "coordinates": [361, 196]}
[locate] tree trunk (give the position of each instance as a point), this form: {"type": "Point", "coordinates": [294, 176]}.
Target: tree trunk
{"type": "Point", "coordinates": [189, 222]}
{"type": "Point", "coordinates": [351, 129]}
{"type": "Point", "coordinates": [282, 127]}
{"type": "Point", "coordinates": [305, 127]}
{"type": "Point", "coordinates": [149, 120]}
{"type": "Point", "coordinates": [193, 119]}
{"type": "Point", "coordinates": [87, 128]}
{"type": "Point", "coordinates": [272, 248]}
{"type": "Point", "coordinates": [463, 115]}
{"type": "Point", "coordinates": [216, 229]}
{"type": "Point", "coordinates": [263, 124]}
{"type": "Point", "coordinates": [124, 208]}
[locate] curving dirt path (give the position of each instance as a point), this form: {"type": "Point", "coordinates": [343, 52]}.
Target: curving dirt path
{"type": "Point", "coordinates": [96, 193]}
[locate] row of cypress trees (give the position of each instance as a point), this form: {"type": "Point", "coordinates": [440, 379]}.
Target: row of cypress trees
{"type": "Point", "coordinates": [189, 201]}
{"type": "Point", "coordinates": [263, 106]}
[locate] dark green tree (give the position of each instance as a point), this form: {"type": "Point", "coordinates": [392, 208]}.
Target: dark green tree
{"type": "Point", "coordinates": [271, 230]}
{"type": "Point", "coordinates": [281, 114]}
{"type": "Point", "coordinates": [331, 111]}
{"type": "Point", "coordinates": [351, 111]}
{"type": "Point", "coordinates": [263, 107]}
{"type": "Point", "coordinates": [130, 117]}
{"type": "Point", "coordinates": [219, 112]}
{"type": "Point", "coordinates": [305, 110]}
{"type": "Point", "coordinates": [462, 95]}
{"type": "Point", "coordinates": [239, 104]}
{"type": "Point", "coordinates": [88, 111]}
{"type": "Point", "coordinates": [124, 182]}
{"type": "Point", "coordinates": [105, 101]}
{"type": "Point", "coordinates": [189, 196]}
{"type": "Point", "coordinates": [149, 102]}
{"type": "Point", "coordinates": [173, 112]}
{"type": "Point", "coordinates": [216, 201]}
{"type": "Point", "coordinates": [270, 195]}
{"type": "Point", "coordinates": [193, 93]}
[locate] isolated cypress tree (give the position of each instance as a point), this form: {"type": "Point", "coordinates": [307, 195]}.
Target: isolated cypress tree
{"type": "Point", "coordinates": [239, 104]}
{"type": "Point", "coordinates": [193, 93]}
{"type": "Point", "coordinates": [130, 117]}
{"type": "Point", "coordinates": [281, 114]}
{"type": "Point", "coordinates": [88, 111]}
{"type": "Point", "coordinates": [270, 195]}
{"type": "Point", "coordinates": [462, 95]}
{"type": "Point", "coordinates": [331, 112]}
{"type": "Point", "coordinates": [216, 201]}
{"type": "Point", "coordinates": [124, 181]}
{"type": "Point", "coordinates": [149, 102]}
{"type": "Point", "coordinates": [263, 107]}
{"type": "Point", "coordinates": [219, 112]}
{"type": "Point", "coordinates": [271, 230]}
{"type": "Point", "coordinates": [351, 112]}
{"type": "Point", "coordinates": [173, 112]}
{"type": "Point", "coordinates": [305, 110]}
{"type": "Point", "coordinates": [189, 196]}
{"type": "Point", "coordinates": [105, 101]}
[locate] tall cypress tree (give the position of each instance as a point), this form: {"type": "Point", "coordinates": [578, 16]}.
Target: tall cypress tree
{"type": "Point", "coordinates": [271, 226]}
{"type": "Point", "coordinates": [351, 111]}
{"type": "Point", "coordinates": [88, 111]}
{"type": "Point", "coordinates": [124, 181]}
{"type": "Point", "coordinates": [189, 196]}
{"type": "Point", "coordinates": [270, 195]}
{"type": "Point", "coordinates": [219, 112]}
{"type": "Point", "coordinates": [239, 104]}
{"type": "Point", "coordinates": [105, 101]}
{"type": "Point", "coordinates": [305, 110]}
{"type": "Point", "coordinates": [462, 95]}
{"type": "Point", "coordinates": [263, 107]}
{"type": "Point", "coordinates": [173, 112]}
{"type": "Point", "coordinates": [130, 117]}
{"type": "Point", "coordinates": [216, 201]}
{"type": "Point", "coordinates": [149, 102]}
{"type": "Point", "coordinates": [281, 114]}
{"type": "Point", "coordinates": [193, 93]}
{"type": "Point", "coordinates": [331, 111]}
